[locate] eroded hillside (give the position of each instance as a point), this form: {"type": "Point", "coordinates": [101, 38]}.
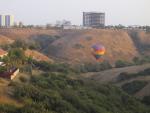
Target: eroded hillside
{"type": "Point", "coordinates": [141, 40]}
{"type": "Point", "coordinates": [75, 45]}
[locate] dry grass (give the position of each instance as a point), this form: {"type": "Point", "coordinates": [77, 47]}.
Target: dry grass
{"type": "Point", "coordinates": [5, 40]}
{"type": "Point", "coordinates": [37, 55]}
{"type": "Point", "coordinates": [112, 74]}
{"type": "Point", "coordinates": [24, 33]}
{"type": "Point", "coordinates": [118, 44]}
{"type": "Point", "coordinates": [4, 94]}
{"type": "Point", "coordinates": [144, 92]}
{"type": "Point", "coordinates": [144, 37]}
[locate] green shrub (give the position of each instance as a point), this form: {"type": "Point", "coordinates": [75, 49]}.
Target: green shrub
{"type": "Point", "coordinates": [146, 100]}
{"type": "Point", "coordinates": [136, 61]}
{"type": "Point", "coordinates": [126, 76]}
{"type": "Point", "coordinates": [121, 63]}
{"type": "Point", "coordinates": [23, 79]}
{"type": "Point", "coordinates": [133, 87]}
{"type": "Point", "coordinates": [78, 46]}
{"type": "Point", "coordinates": [147, 29]}
{"type": "Point", "coordinates": [19, 44]}
{"type": "Point", "coordinates": [91, 67]}
{"type": "Point", "coordinates": [43, 40]}
{"type": "Point", "coordinates": [58, 93]}
{"type": "Point", "coordinates": [34, 46]}
{"type": "Point", "coordinates": [52, 67]}
{"type": "Point", "coordinates": [5, 108]}
{"type": "Point", "coordinates": [3, 69]}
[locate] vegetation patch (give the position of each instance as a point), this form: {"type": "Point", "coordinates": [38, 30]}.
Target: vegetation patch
{"type": "Point", "coordinates": [146, 100]}
{"type": "Point", "coordinates": [142, 60]}
{"type": "Point", "coordinates": [58, 93]}
{"type": "Point", "coordinates": [91, 67]}
{"type": "Point", "coordinates": [121, 63]}
{"type": "Point", "coordinates": [133, 87]}
{"type": "Point", "coordinates": [126, 76]}
{"type": "Point", "coordinates": [78, 46]}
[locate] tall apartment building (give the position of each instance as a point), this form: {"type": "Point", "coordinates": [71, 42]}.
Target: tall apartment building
{"type": "Point", "coordinates": [2, 20]}
{"type": "Point", "coordinates": [6, 20]}
{"type": "Point", "coordinates": [93, 19]}
{"type": "Point", "coordinates": [9, 20]}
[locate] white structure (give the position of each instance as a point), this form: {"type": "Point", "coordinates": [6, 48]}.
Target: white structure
{"type": "Point", "coordinates": [63, 23]}
{"type": "Point", "coordinates": [6, 20]}
{"type": "Point", "coordinates": [9, 20]}
{"type": "Point", "coordinates": [14, 73]}
{"type": "Point", "coordinates": [2, 20]}
{"type": "Point", "coordinates": [67, 27]}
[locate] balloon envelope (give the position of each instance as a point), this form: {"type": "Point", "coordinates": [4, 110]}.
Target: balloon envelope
{"type": "Point", "coordinates": [98, 47]}
{"type": "Point", "coordinates": [98, 51]}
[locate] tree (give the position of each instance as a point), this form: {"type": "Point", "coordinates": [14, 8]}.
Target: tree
{"type": "Point", "coordinates": [19, 44]}
{"type": "Point", "coordinates": [147, 29]}
{"type": "Point", "coordinates": [146, 100]}
{"type": "Point", "coordinates": [16, 57]}
{"type": "Point", "coordinates": [7, 60]}
{"type": "Point", "coordinates": [2, 69]}
{"type": "Point", "coordinates": [121, 63]}
{"type": "Point", "coordinates": [136, 60]}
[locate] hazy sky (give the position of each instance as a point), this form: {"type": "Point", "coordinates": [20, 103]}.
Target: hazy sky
{"type": "Point", "coordinates": [126, 12]}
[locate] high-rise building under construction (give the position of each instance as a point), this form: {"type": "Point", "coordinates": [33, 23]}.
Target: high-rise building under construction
{"type": "Point", "coordinates": [93, 19]}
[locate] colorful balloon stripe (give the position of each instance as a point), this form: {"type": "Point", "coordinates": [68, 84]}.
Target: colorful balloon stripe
{"type": "Point", "coordinates": [98, 51]}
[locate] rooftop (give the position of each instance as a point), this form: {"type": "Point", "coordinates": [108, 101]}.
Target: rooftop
{"type": "Point", "coordinates": [94, 12]}
{"type": "Point", "coordinates": [2, 52]}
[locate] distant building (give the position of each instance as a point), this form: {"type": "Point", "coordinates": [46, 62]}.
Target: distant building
{"type": "Point", "coordinates": [20, 24]}
{"type": "Point", "coordinates": [9, 20]}
{"type": "Point", "coordinates": [2, 20]}
{"type": "Point", "coordinates": [66, 23]}
{"type": "Point", "coordinates": [73, 27]}
{"type": "Point", "coordinates": [63, 23]}
{"type": "Point", "coordinates": [6, 20]}
{"type": "Point", "coordinates": [93, 19]}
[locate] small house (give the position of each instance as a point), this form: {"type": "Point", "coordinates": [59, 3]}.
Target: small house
{"type": "Point", "coordinates": [11, 74]}
{"type": "Point", "coordinates": [2, 64]}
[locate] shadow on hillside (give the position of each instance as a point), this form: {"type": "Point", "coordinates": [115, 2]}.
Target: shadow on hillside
{"type": "Point", "coordinates": [141, 47]}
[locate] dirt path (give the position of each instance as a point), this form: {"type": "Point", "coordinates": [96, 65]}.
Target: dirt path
{"type": "Point", "coordinates": [144, 92]}
{"type": "Point", "coordinates": [111, 75]}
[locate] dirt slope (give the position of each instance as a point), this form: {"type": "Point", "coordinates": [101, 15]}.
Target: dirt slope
{"type": "Point", "coordinates": [37, 56]}
{"type": "Point", "coordinates": [4, 96]}
{"type": "Point", "coordinates": [112, 74]}
{"type": "Point", "coordinates": [144, 92]}
{"type": "Point", "coordinates": [141, 41]}
{"type": "Point", "coordinates": [24, 33]}
{"type": "Point", "coordinates": [76, 45]}
{"type": "Point", "coordinates": [5, 40]}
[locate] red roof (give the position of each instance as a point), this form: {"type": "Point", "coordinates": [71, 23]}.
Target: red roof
{"type": "Point", "coordinates": [2, 52]}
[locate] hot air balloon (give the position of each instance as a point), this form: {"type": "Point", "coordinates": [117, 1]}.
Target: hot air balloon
{"type": "Point", "coordinates": [98, 50]}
